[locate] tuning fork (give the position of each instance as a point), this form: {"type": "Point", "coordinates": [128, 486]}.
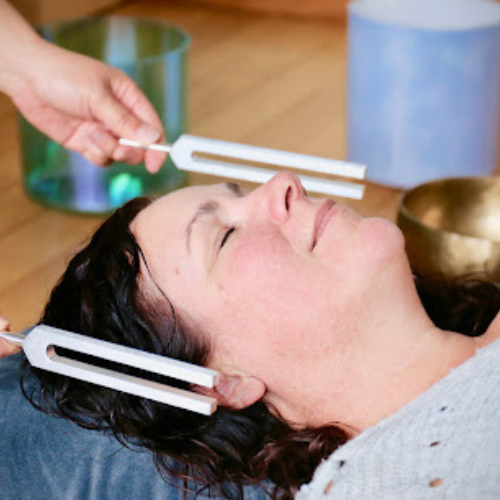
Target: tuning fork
{"type": "Point", "coordinates": [40, 344]}
{"type": "Point", "coordinates": [251, 163]}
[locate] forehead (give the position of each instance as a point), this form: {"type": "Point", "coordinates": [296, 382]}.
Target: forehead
{"type": "Point", "coordinates": [172, 211]}
{"type": "Point", "coordinates": [160, 229]}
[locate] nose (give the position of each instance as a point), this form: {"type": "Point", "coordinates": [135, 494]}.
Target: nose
{"type": "Point", "coordinates": [280, 195]}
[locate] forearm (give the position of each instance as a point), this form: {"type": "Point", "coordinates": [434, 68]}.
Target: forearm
{"type": "Point", "coordinates": [18, 42]}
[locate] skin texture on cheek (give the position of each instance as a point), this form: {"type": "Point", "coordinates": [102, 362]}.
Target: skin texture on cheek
{"type": "Point", "coordinates": [265, 271]}
{"type": "Point", "coordinates": [271, 305]}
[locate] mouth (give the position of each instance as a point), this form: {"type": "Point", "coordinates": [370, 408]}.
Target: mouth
{"type": "Point", "coordinates": [323, 216]}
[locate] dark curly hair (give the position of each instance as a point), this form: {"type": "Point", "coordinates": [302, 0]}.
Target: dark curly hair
{"type": "Point", "coordinates": [100, 295]}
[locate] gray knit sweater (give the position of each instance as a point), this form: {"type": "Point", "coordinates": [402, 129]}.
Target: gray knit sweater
{"type": "Point", "coordinates": [445, 444]}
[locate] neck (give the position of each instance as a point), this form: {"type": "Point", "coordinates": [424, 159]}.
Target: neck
{"type": "Point", "coordinates": [396, 354]}
{"type": "Point", "coordinates": [427, 362]}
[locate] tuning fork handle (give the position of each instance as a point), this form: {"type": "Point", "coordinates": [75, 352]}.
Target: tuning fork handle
{"type": "Point", "coordinates": [40, 344]}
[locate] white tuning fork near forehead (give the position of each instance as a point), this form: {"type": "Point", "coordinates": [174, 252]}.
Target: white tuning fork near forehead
{"type": "Point", "coordinates": [213, 157]}
{"type": "Point", "coordinates": [39, 343]}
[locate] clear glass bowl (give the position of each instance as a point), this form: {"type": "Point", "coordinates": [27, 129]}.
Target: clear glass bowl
{"type": "Point", "coordinates": [153, 54]}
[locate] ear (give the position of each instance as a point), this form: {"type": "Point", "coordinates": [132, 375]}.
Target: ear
{"type": "Point", "coordinates": [236, 391]}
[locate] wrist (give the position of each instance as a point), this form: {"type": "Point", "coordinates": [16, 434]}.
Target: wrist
{"type": "Point", "coordinates": [17, 66]}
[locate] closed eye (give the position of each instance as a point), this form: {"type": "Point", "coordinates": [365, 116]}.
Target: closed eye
{"type": "Point", "coordinates": [226, 236]}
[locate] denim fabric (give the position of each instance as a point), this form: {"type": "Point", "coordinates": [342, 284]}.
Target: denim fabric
{"type": "Point", "coordinates": [48, 458]}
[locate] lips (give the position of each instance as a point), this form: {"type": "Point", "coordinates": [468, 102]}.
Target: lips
{"type": "Point", "coordinates": [323, 216]}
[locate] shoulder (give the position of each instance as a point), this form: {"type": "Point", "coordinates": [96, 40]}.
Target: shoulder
{"type": "Point", "coordinates": [436, 436]}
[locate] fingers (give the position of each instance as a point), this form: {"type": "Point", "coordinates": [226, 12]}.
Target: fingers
{"type": "Point", "coordinates": [129, 155]}
{"type": "Point", "coordinates": [131, 97]}
{"type": "Point", "coordinates": [123, 122]}
{"type": "Point", "coordinates": [154, 160]}
{"type": "Point", "coordinates": [4, 324]}
{"type": "Point", "coordinates": [6, 348]}
{"type": "Point", "coordinates": [102, 144]}
{"type": "Point", "coordinates": [120, 109]}
{"type": "Point", "coordinates": [101, 147]}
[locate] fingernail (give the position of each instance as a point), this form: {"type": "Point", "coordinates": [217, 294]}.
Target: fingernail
{"type": "Point", "coordinates": [147, 133]}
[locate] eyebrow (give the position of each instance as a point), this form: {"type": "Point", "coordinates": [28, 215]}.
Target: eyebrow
{"type": "Point", "coordinates": [234, 188]}
{"type": "Point", "coordinates": [209, 207]}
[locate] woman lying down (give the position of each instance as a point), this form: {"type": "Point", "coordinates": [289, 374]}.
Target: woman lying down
{"type": "Point", "coordinates": [342, 375]}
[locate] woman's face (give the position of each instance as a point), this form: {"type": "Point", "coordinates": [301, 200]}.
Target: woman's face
{"type": "Point", "coordinates": [272, 276]}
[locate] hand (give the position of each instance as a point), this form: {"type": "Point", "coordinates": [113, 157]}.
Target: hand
{"type": "Point", "coordinates": [6, 348]}
{"type": "Point", "coordinates": [86, 105]}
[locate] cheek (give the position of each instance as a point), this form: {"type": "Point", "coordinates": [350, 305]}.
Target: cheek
{"type": "Point", "coordinates": [369, 250]}
{"type": "Point", "coordinates": [269, 298]}
{"type": "Point", "coordinates": [265, 270]}
{"type": "Point", "coordinates": [275, 260]}
{"type": "Point", "coordinates": [254, 256]}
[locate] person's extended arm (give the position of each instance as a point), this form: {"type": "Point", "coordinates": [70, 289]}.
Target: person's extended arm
{"type": "Point", "coordinates": [81, 103]}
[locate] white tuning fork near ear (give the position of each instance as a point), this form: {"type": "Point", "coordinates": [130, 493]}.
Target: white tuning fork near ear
{"type": "Point", "coordinates": [213, 157]}
{"type": "Point", "coordinates": [39, 343]}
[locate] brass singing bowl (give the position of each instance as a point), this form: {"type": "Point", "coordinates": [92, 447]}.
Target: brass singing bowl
{"type": "Point", "coordinates": [452, 226]}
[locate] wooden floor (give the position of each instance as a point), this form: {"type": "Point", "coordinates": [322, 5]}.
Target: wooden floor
{"type": "Point", "coordinates": [263, 80]}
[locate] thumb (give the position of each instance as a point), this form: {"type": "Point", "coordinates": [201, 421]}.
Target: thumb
{"type": "Point", "coordinates": [122, 122]}
{"type": "Point", "coordinates": [7, 348]}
